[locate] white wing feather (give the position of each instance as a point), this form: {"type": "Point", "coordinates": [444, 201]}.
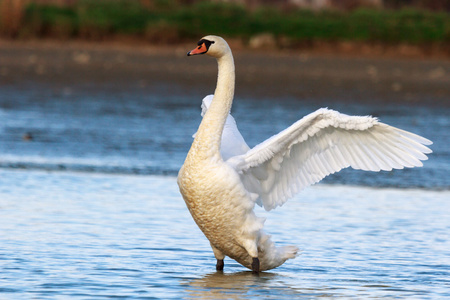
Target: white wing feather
{"type": "Point", "coordinates": [232, 143]}
{"type": "Point", "coordinates": [321, 143]}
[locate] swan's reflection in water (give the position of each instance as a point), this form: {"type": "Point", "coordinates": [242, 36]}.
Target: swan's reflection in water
{"type": "Point", "coordinates": [246, 285]}
{"type": "Point", "coordinates": [219, 285]}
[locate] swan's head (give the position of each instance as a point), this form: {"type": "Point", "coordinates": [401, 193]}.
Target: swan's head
{"type": "Point", "coordinates": [212, 45]}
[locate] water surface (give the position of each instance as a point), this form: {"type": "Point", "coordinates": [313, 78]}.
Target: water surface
{"type": "Point", "coordinates": [137, 132]}
{"type": "Point", "coordinates": [79, 235]}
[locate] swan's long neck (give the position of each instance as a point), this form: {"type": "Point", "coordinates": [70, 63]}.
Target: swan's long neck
{"type": "Point", "coordinates": [209, 134]}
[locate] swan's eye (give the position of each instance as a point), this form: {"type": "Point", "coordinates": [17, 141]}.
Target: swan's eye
{"type": "Point", "coordinates": [206, 42]}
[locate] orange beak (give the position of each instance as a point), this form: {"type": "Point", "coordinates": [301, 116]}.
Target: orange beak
{"type": "Point", "coordinates": [199, 50]}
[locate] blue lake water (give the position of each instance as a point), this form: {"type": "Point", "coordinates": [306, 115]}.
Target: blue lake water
{"type": "Point", "coordinates": [136, 132]}
{"type": "Point", "coordinates": [89, 207]}
{"type": "Point", "coordinates": [87, 236]}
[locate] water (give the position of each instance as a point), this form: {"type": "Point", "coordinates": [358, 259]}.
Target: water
{"type": "Point", "coordinates": [149, 132]}
{"type": "Point", "coordinates": [77, 235]}
{"type": "Point", "coordinates": [89, 207]}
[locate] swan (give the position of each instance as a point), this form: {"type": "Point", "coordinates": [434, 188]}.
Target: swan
{"type": "Point", "coordinates": [222, 178]}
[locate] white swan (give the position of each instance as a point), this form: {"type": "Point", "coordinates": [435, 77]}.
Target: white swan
{"type": "Point", "coordinates": [222, 178]}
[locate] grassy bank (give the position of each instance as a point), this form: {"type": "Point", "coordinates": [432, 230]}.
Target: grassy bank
{"type": "Point", "coordinates": [168, 21]}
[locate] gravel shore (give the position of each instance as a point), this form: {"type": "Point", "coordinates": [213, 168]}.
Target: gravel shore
{"type": "Point", "coordinates": [299, 75]}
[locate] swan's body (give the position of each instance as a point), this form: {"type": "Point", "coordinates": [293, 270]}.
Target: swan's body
{"type": "Point", "coordinates": [222, 178]}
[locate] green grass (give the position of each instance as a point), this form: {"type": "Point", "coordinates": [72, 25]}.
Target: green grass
{"type": "Point", "coordinates": [168, 20]}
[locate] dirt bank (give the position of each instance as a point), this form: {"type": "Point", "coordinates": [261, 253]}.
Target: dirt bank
{"type": "Point", "coordinates": [305, 76]}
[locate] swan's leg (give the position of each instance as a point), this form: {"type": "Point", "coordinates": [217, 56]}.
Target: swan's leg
{"type": "Point", "coordinates": [255, 265]}
{"type": "Point", "coordinates": [219, 256]}
{"type": "Point", "coordinates": [219, 265]}
{"type": "Point", "coordinates": [252, 250]}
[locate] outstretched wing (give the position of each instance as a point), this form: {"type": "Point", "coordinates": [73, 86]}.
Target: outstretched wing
{"type": "Point", "coordinates": [320, 144]}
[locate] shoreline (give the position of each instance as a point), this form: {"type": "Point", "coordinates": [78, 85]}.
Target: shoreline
{"type": "Point", "coordinates": [348, 49]}
{"type": "Point", "coordinates": [303, 75]}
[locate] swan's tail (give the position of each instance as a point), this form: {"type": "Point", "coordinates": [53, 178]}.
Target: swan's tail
{"type": "Point", "coordinates": [270, 256]}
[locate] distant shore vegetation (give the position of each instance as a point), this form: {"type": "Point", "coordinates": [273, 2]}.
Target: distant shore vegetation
{"type": "Point", "coordinates": [167, 21]}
